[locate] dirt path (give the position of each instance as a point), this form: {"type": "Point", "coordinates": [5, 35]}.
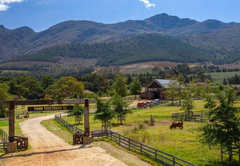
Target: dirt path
{"type": "Point", "coordinates": [48, 149]}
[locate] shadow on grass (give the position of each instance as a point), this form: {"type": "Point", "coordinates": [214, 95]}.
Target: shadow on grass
{"type": "Point", "coordinates": [224, 163]}
{"type": "Point", "coordinates": [77, 124]}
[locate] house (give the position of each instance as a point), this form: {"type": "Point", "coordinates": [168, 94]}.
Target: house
{"type": "Point", "coordinates": [155, 90]}
{"type": "Point", "coordinates": [88, 91]}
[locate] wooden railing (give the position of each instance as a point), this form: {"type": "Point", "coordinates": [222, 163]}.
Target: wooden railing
{"type": "Point", "coordinates": [3, 145]}
{"type": "Point", "coordinates": [133, 145]}
{"type": "Point", "coordinates": [3, 136]}
{"type": "Point", "coordinates": [3, 139]}
{"type": "Point", "coordinates": [69, 126]}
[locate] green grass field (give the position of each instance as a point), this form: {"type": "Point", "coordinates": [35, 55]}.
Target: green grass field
{"type": "Point", "coordinates": [218, 77]}
{"type": "Point", "coordinates": [181, 143]}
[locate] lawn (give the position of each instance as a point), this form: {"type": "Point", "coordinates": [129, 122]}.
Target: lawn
{"type": "Point", "coordinates": [181, 143]}
{"type": "Point", "coordinates": [218, 77]}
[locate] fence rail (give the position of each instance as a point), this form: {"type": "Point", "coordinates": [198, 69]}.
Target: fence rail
{"type": "Point", "coordinates": [196, 116]}
{"type": "Point", "coordinates": [133, 145]}
{"type": "Point", "coordinates": [3, 145]}
{"type": "Point", "coordinates": [69, 126]}
{"type": "Point", "coordinates": [3, 136]}
{"type": "Point", "coordinates": [3, 139]}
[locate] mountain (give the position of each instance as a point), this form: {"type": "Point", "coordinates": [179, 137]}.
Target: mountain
{"type": "Point", "coordinates": [141, 48]}
{"type": "Point", "coordinates": [213, 35]}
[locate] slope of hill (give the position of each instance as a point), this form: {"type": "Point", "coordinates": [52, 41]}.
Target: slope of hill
{"type": "Point", "coordinates": [23, 40]}
{"type": "Point", "coordinates": [146, 47]}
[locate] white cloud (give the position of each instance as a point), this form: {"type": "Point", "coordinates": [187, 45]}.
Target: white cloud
{"type": "Point", "coordinates": [4, 4]}
{"type": "Point", "coordinates": [3, 7]}
{"type": "Point", "coordinates": [10, 1]}
{"type": "Point", "coordinates": [147, 3]}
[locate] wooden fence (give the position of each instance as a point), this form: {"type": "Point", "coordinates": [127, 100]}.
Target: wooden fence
{"type": "Point", "coordinates": [3, 136]}
{"type": "Point", "coordinates": [3, 139]}
{"type": "Point", "coordinates": [3, 145]}
{"type": "Point", "coordinates": [196, 116]}
{"type": "Point", "coordinates": [131, 144]}
{"type": "Point", "coordinates": [69, 126]}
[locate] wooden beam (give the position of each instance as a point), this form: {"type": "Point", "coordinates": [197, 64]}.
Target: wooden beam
{"type": "Point", "coordinates": [11, 121]}
{"type": "Point", "coordinates": [86, 118]}
{"type": "Point", "coordinates": [42, 102]}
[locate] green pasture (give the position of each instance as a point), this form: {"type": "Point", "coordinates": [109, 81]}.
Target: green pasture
{"type": "Point", "coordinates": [218, 77]}
{"type": "Point", "coordinates": [181, 143]}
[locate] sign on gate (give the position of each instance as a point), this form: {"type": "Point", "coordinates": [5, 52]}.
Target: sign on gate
{"type": "Point", "coordinates": [50, 108]}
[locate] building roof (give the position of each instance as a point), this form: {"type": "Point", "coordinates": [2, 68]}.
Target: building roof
{"type": "Point", "coordinates": [163, 83]}
{"type": "Point", "coordinates": [88, 91]}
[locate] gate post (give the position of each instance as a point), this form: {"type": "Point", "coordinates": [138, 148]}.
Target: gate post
{"type": "Point", "coordinates": [11, 121]}
{"type": "Point", "coordinates": [86, 118]}
{"type": "Point", "coordinates": [86, 136]}
{"type": "Point", "coordinates": [11, 146]}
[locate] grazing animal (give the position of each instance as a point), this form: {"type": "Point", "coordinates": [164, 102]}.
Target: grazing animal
{"type": "Point", "coordinates": [211, 120]}
{"type": "Point", "coordinates": [177, 124]}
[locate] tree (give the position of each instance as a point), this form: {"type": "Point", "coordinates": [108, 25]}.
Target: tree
{"type": "Point", "coordinates": [224, 81]}
{"type": "Point", "coordinates": [104, 113]}
{"type": "Point", "coordinates": [54, 91]}
{"type": "Point", "coordinates": [26, 86]}
{"type": "Point", "coordinates": [225, 130]}
{"type": "Point", "coordinates": [47, 81]}
{"type": "Point", "coordinates": [120, 108]}
{"type": "Point", "coordinates": [135, 87]}
{"type": "Point", "coordinates": [120, 86]}
{"type": "Point", "coordinates": [173, 90]}
{"type": "Point", "coordinates": [4, 88]}
{"type": "Point", "coordinates": [66, 87]}
{"type": "Point", "coordinates": [187, 105]}
{"type": "Point", "coordinates": [129, 79]}
{"type": "Point", "coordinates": [77, 111]}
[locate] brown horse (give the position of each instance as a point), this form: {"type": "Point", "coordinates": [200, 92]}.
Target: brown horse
{"type": "Point", "coordinates": [176, 124]}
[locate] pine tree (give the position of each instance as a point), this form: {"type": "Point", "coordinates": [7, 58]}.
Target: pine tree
{"type": "Point", "coordinates": [224, 81]}
{"type": "Point", "coordinates": [225, 130]}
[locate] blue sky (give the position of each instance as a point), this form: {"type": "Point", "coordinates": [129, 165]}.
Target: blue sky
{"type": "Point", "coordinates": [42, 14]}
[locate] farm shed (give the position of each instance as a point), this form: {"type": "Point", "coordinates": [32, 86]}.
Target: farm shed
{"type": "Point", "coordinates": [155, 90]}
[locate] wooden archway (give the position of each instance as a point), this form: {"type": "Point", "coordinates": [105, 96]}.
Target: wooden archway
{"type": "Point", "coordinates": [11, 105]}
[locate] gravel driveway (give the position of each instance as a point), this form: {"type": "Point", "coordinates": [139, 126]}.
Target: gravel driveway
{"type": "Point", "coordinates": [50, 150]}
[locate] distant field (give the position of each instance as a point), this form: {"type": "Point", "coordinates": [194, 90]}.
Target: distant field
{"type": "Point", "coordinates": [218, 77]}
{"type": "Point", "coordinates": [15, 71]}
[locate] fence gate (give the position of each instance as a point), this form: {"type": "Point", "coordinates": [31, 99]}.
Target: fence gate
{"type": "Point", "coordinates": [78, 138]}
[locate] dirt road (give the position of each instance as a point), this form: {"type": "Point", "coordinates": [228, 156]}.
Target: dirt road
{"type": "Point", "coordinates": [50, 150]}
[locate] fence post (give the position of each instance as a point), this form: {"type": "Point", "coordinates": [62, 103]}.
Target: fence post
{"type": "Point", "coordinates": [119, 139]}
{"type": "Point", "coordinates": [140, 147]}
{"type": "Point", "coordinates": [129, 142]}
{"type": "Point", "coordinates": [92, 135]}
{"type": "Point", "coordinates": [173, 160]}
{"type": "Point", "coordinates": [156, 153]}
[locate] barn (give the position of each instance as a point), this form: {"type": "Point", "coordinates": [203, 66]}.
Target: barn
{"type": "Point", "coordinates": [155, 90]}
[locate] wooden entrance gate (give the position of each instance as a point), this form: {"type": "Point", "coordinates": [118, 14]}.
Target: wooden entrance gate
{"type": "Point", "coordinates": [23, 141]}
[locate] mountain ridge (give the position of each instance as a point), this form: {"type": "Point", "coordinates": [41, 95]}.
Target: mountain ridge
{"type": "Point", "coordinates": [24, 40]}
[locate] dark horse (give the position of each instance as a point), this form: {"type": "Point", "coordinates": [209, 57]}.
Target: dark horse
{"type": "Point", "coordinates": [177, 124]}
